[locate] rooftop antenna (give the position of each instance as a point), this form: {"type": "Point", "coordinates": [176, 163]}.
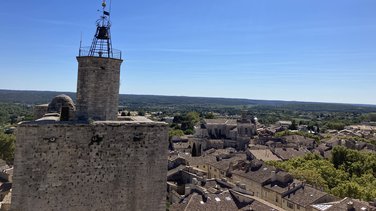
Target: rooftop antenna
{"type": "Point", "coordinates": [81, 40]}
{"type": "Point", "coordinates": [80, 44]}
{"type": "Point", "coordinates": [110, 8]}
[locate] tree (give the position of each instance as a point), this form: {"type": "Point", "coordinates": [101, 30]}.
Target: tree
{"type": "Point", "coordinates": [177, 119]}
{"type": "Point", "coordinates": [7, 146]}
{"type": "Point", "coordinates": [189, 132]}
{"type": "Point", "coordinates": [353, 161]}
{"type": "Point", "coordinates": [372, 117]}
{"type": "Point", "coordinates": [293, 126]}
{"type": "Point", "coordinates": [175, 132]}
{"type": "Point", "coordinates": [141, 113]}
{"type": "Point", "coordinates": [350, 173]}
{"type": "Point", "coordinates": [188, 121]}
{"type": "Point", "coordinates": [335, 125]}
{"type": "Point", "coordinates": [13, 119]}
{"type": "Point", "coordinates": [193, 117]}
{"type": "Point", "coordinates": [339, 156]}
{"type": "Point", "coordinates": [209, 115]}
{"type": "Point", "coordinates": [348, 189]}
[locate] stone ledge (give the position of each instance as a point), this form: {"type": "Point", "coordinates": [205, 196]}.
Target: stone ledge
{"type": "Point", "coordinates": [95, 123]}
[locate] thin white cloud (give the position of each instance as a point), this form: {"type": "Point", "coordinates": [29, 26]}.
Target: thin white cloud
{"type": "Point", "coordinates": [174, 50]}
{"type": "Point", "coordinates": [57, 22]}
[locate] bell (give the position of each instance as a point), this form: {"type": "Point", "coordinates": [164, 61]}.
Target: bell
{"type": "Point", "coordinates": [102, 33]}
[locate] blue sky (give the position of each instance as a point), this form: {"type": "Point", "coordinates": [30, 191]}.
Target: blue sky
{"type": "Point", "coordinates": [313, 50]}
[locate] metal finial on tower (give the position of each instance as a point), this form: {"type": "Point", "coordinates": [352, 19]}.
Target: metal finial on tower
{"type": "Point", "coordinates": [101, 45]}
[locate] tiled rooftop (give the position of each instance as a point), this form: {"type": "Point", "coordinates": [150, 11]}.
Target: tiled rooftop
{"type": "Point", "coordinates": [221, 121]}
{"type": "Point", "coordinates": [343, 205]}
{"type": "Point", "coordinates": [220, 202]}
{"type": "Point", "coordinates": [264, 155]}
{"type": "Point", "coordinates": [260, 175]}
{"type": "Point", "coordinates": [288, 153]}
{"type": "Point", "coordinates": [305, 196]}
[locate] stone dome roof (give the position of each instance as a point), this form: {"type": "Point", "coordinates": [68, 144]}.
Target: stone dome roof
{"type": "Point", "coordinates": [60, 101]}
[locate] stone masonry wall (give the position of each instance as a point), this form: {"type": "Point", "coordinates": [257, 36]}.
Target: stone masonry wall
{"type": "Point", "coordinates": [40, 111]}
{"type": "Point", "coordinates": [98, 85]}
{"type": "Point", "coordinates": [93, 167]}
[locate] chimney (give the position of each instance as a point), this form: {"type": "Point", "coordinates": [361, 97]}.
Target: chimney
{"type": "Point", "coordinates": [204, 197]}
{"type": "Point", "coordinates": [194, 181]}
{"type": "Point", "coordinates": [273, 176]}
{"type": "Point", "coordinates": [350, 206]}
{"type": "Point", "coordinates": [230, 169]}
{"type": "Point", "coordinates": [242, 186]}
{"type": "Point", "coordinates": [293, 188]}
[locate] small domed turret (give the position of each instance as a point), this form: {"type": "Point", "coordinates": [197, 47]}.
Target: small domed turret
{"type": "Point", "coordinates": [63, 105]}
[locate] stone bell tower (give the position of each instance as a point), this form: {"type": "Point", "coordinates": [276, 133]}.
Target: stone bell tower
{"type": "Point", "coordinates": [64, 162]}
{"type": "Point", "coordinates": [99, 75]}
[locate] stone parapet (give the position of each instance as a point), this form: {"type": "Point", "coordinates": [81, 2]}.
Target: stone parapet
{"type": "Point", "coordinates": [105, 165]}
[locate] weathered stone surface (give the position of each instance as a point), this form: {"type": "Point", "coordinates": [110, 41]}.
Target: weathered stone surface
{"type": "Point", "coordinates": [98, 88]}
{"type": "Point", "coordinates": [100, 166]}
{"type": "Point", "coordinates": [40, 110]}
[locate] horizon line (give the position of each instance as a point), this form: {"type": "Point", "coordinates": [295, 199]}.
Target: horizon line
{"type": "Point", "coordinates": [212, 97]}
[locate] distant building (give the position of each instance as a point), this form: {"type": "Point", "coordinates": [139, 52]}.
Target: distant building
{"type": "Point", "coordinates": [299, 140]}
{"type": "Point", "coordinates": [232, 133]}
{"type": "Point", "coordinates": [167, 119]}
{"type": "Point", "coordinates": [284, 124]}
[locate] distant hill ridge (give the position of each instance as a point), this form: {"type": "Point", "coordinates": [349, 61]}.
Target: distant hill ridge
{"type": "Point", "coordinates": [40, 97]}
